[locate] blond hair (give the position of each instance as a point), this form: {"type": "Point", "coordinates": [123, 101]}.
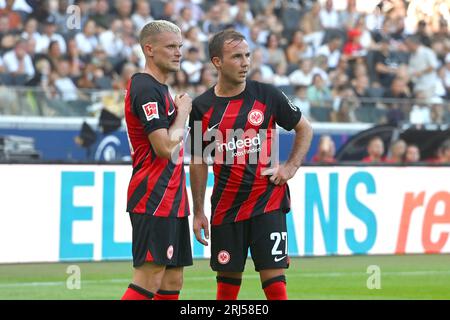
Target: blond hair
{"type": "Point", "coordinates": [154, 28]}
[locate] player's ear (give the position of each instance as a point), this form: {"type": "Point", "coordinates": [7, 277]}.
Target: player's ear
{"type": "Point", "coordinates": [148, 50]}
{"type": "Point", "coordinates": [217, 62]}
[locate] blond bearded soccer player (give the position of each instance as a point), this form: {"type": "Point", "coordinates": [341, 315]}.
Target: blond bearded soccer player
{"type": "Point", "coordinates": [157, 199]}
{"type": "Point", "coordinates": [250, 196]}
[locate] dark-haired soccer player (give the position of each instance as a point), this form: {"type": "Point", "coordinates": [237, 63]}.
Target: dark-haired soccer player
{"type": "Point", "coordinates": [250, 195]}
{"type": "Point", "coordinates": [157, 199]}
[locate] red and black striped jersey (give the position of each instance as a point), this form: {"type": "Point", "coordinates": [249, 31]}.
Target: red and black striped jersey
{"type": "Point", "coordinates": [240, 134]}
{"type": "Point", "coordinates": [157, 185]}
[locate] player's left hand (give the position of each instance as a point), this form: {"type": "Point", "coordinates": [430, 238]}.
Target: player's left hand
{"type": "Point", "coordinates": [280, 174]}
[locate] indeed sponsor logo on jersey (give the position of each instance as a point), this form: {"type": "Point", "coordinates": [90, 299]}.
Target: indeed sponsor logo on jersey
{"type": "Point", "coordinates": [233, 145]}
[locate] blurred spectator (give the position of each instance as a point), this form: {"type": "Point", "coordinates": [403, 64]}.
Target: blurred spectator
{"type": "Point", "coordinates": [331, 50]}
{"type": "Point", "coordinates": [49, 35]}
{"type": "Point", "coordinates": [87, 79]}
{"type": "Point", "coordinates": [18, 61]}
{"type": "Point", "coordinates": [341, 68]}
{"type": "Point", "coordinates": [241, 24]}
{"type": "Point", "coordinates": [142, 15]}
{"type": "Point", "coordinates": [87, 40]}
{"type": "Point", "coordinates": [207, 79]}
{"type": "Point", "coordinates": [192, 65]}
{"type": "Point", "coordinates": [14, 19]}
{"type": "Point", "coordinates": [365, 39]}
{"type": "Point", "coordinates": [273, 54]}
{"type": "Point", "coordinates": [360, 86]}
{"type": "Point", "coordinates": [41, 76]}
{"type": "Point", "coordinates": [422, 33]}
{"type": "Point", "coordinates": [440, 41]}
{"type": "Point", "coordinates": [325, 150]}
{"type": "Point", "coordinates": [111, 39]}
{"type": "Point", "coordinates": [61, 16]}
{"type": "Point", "coordinates": [63, 83]}
{"type": "Point", "coordinates": [329, 17]}
{"type": "Point", "coordinates": [128, 70]}
{"type": "Point", "coordinates": [196, 10]}
{"type": "Point", "coordinates": [318, 94]}
{"type": "Point", "coordinates": [123, 8]}
{"type": "Point", "coordinates": [301, 101]}
{"type": "Point", "coordinates": [397, 101]}
{"type": "Point", "coordinates": [54, 53]}
{"type": "Point", "coordinates": [224, 7]}
{"type": "Point", "coordinates": [311, 22]}
{"type": "Point", "coordinates": [350, 15]}
{"type": "Point", "coordinates": [254, 40]}
{"type": "Point", "coordinates": [386, 64]}
{"type": "Point", "coordinates": [397, 151]}
{"type": "Point", "coordinates": [185, 20]}
{"type": "Point", "coordinates": [303, 76]}
{"type": "Point", "coordinates": [180, 82]}
{"type": "Point", "coordinates": [214, 21]}
{"type": "Point", "coordinates": [353, 48]}
{"type": "Point", "coordinates": [195, 38]}
{"type": "Point", "coordinates": [345, 112]}
{"type": "Point", "coordinates": [256, 62]}
{"type": "Point", "coordinates": [374, 20]}
{"type": "Point", "coordinates": [375, 151]}
{"type": "Point", "coordinates": [298, 49]}
{"type": "Point", "coordinates": [73, 55]}
{"type": "Point", "coordinates": [30, 29]}
{"type": "Point", "coordinates": [101, 14]}
{"type": "Point", "coordinates": [446, 74]}
{"type": "Point", "coordinates": [444, 152]}
{"type": "Point", "coordinates": [280, 78]}
{"type": "Point", "coordinates": [312, 27]}
{"type": "Point", "coordinates": [256, 75]}
{"type": "Point", "coordinates": [420, 111]}
{"type": "Point", "coordinates": [412, 154]}
{"type": "Point", "coordinates": [320, 66]}
{"type": "Point", "coordinates": [241, 5]}
{"type": "Point", "coordinates": [438, 111]}
{"type": "Point", "coordinates": [422, 66]}
{"type": "Point", "coordinates": [169, 13]}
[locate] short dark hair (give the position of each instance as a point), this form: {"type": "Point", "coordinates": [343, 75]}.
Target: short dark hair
{"type": "Point", "coordinates": [217, 41]}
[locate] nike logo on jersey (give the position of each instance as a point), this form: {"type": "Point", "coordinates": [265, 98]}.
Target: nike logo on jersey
{"type": "Point", "coordinates": [211, 128]}
{"type": "Point", "coordinates": [171, 112]}
{"type": "Point", "coordinates": [278, 259]}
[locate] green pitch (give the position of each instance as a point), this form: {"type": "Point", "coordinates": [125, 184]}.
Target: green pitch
{"type": "Point", "coordinates": [401, 277]}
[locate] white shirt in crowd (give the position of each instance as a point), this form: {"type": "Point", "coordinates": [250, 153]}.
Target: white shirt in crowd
{"type": "Point", "coordinates": [11, 63]}
{"type": "Point", "coordinates": [329, 19]}
{"type": "Point", "coordinates": [299, 78]}
{"type": "Point", "coordinates": [420, 115]}
{"type": "Point", "coordinates": [111, 43]}
{"type": "Point", "coordinates": [420, 60]}
{"type": "Point", "coordinates": [86, 45]}
{"type": "Point", "coordinates": [19, 5]}
{"type": "Point", "coordinates": [333, 57]}
{"type": "Point", "coordinates": [44, 40]}
{"type": "Point", "coordinates": [139, 21]}
{"type": "Point", "coordinates": [192, 69]}
{"type": "Point", "coordinates": [67, 89]}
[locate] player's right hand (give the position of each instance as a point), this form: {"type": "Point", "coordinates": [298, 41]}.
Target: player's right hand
{"type": "Point", "coordinates": [183, 103]}
{"type": "Point", "coordinates": [201, 222]}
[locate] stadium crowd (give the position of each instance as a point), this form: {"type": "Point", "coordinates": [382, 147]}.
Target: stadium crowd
{"type": "Point", "coordinates": [379, 62]}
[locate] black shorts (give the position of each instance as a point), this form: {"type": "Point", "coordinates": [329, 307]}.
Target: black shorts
{"type": "Point", "coordinates": [266, 235]}
{"type": "Point", "coordinates": [164, 241]}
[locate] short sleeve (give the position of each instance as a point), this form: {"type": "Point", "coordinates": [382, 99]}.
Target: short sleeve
{"type": "Point", "coordinates": [286, 113]}
{"type": "Point", "coordinates": [149, 106]}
